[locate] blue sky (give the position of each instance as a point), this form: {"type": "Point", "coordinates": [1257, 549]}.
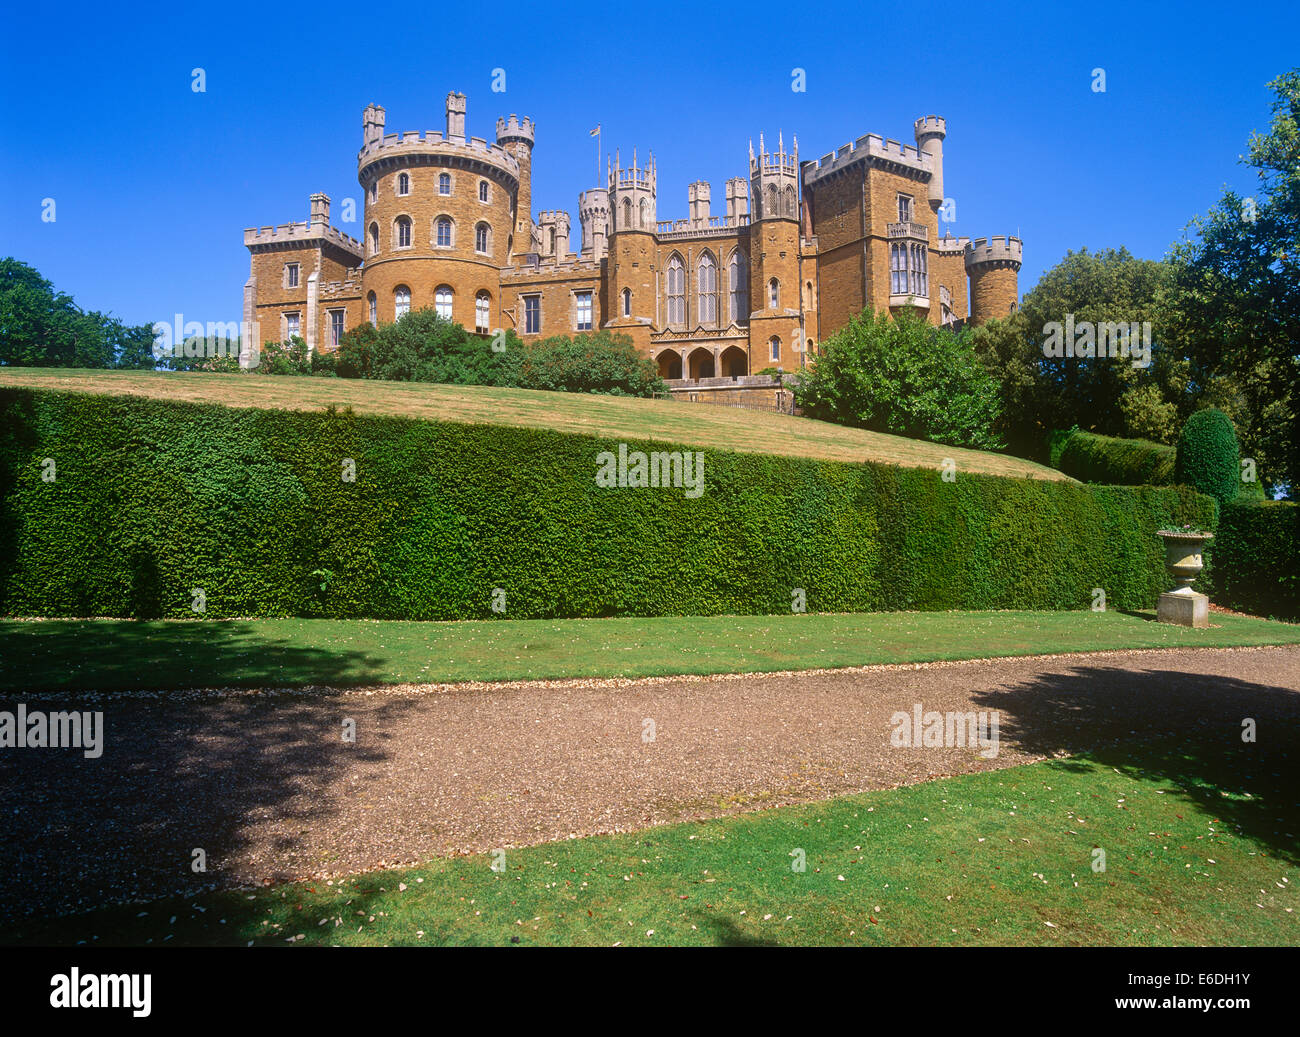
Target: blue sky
{"type": "Point", "coordinates": [154, 183]}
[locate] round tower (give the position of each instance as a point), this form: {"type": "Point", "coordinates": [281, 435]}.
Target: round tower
{"type": "Point", "coordinates": [438, 219]}
{"type": "Point", "coordinates": [517, 138]}
{"type": "Point", "coordinates": [930, 132]}
{"type": "Point", "coordinates": [774, 332]}
{"type": "Point", "coordinates": [632, 267]}
{"type": "Point", "coordinates": [992, 264]}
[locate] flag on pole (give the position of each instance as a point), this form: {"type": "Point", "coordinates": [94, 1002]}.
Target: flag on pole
{"type": "Point", "coordinates": [596, 131]}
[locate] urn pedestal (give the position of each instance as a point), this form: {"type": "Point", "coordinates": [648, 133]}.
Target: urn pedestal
{"type": "Point", "coordinates": [1183, 605]}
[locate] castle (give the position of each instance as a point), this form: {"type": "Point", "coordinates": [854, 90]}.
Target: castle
{"type": "Point", "coordinates": [801, 248]}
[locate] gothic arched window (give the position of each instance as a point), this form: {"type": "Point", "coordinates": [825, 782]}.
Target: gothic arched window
{"type": "Point", "coordinates": [707, 284]}
{"type": "Point", "coordinates": [401, 300]}
{"type": "Point", "coordinates": [402, 229]}
{"type": "Point", "coordinates": [739, 284]}
{"type": "Point", "coordinates": [676, 290]}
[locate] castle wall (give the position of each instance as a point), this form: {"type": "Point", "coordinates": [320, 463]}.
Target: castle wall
{"type": "Point", "coordinates": [830, 253]}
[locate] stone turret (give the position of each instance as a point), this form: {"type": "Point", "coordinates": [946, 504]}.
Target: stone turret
{"type": "Point", "coordinates": [698, 197]}
{"type": "Point", "coordinates": [593, 216]}
{"type": "Point", "coordinates": [993, 265]}
{"type": "Point", "coordinates": [930, 132]}
{"type": "Point", "coordinates": [372, 125]}
{"type": "Point", "coordinates": [632, 195]}
{"type": "Point", "coordinates": [456, 117]}
{"type": "Point", "coordinates": [774, 181]}
{"type": "Point", "coordinates": [518, 139]}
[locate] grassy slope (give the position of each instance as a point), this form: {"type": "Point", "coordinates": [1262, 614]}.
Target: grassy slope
{"type": "Point", "coordinates": [998, 858]}
{"type": "Point", "coordinates": [108, 654]}
{"type": "Point", "coordinates": [699, 425]}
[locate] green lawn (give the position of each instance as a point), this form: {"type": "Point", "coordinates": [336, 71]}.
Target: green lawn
{"type": "Point", "coordinates": [1004, 857]}
{"type": "Point", "coordinates": [126, 654]}
{"type": "Point", "coordinates": [698, 425]}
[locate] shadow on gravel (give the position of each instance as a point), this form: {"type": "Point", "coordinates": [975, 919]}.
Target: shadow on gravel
{"type": "Point", "coordinates": [1183, 728]}
{"type": "Point", "coordinates": [45, 655]}
{"type": "Point", "coordinates": [176, 775]}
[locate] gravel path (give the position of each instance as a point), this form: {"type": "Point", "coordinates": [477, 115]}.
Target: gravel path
{"type": "Point", "coordinates": [264, 783]}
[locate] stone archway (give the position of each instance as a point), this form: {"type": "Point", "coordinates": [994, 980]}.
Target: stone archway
{"type": "Point", "coordinates": [701, 363]}
{"type": "Point", "coordinates": [670, 364]}
{"type": "Point", "coordinates": [734, 362]}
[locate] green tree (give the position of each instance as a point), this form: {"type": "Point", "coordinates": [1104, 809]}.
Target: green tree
{"type": "Point", "coordinates": [1238, 276]}
{"type": "Point", "coordinates": [43, 327]}
{"type": "Point", "coordinates": [1110, 396]}
{"type": "Point", "coordinates": [905, 376]}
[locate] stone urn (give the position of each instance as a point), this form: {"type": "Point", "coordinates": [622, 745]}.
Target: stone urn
{"type": "Point", "coordinates": [1182, 605]}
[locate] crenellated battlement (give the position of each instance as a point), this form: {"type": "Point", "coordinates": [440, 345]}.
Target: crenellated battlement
{"type": "Point", "coordinates": [432, 145]}
{"type": "Point", "coordinates": [513, 129]}
{"type": "Point", "coordinates": [995, 251]}
{"type": "Point", "coordinates": [930, 126]}
{"type": "Point", "coordinates": [867, 148]}
{"type": "Point", "coordinates": [948, 245]}
{"type": "Point", "coordinates": [301, 233]}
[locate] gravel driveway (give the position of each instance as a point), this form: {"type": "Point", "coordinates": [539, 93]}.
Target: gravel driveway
{"type": "Point", "coordinates": [265, 784]}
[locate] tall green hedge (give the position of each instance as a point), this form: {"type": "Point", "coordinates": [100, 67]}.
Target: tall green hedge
{"type": "Point", "coordinates": [1256, 559]}
{"type": "Point", "coordinates": [154, 498]}
{"type": "Point", "coordinates": [1114, 462]}
{"type": "Point", "coordinates": [1208, 455]}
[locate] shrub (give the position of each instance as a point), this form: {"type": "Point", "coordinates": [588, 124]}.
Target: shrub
{"type": "Point", "coordinates": [1208, 455]}
{"type": "Point", "coordinates": [1256, 556]}
{"type": "Point", "coordinates": [600, 363]}
{"type": "Point", "coordinates": [154, 498]}
{"type": "Point", "coordinates": [905, 376]}
{"type": "Point", "coordinates": [288, 357]}
{"type": "Point", "coordinates": [1116, 462]}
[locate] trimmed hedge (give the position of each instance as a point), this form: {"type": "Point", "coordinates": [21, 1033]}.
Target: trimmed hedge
{"type": "Point", "coordinates": [1091, 458]}
{"type": "Point", "coordinates": [155, 498]}
{"type": "Point", "coordinates": [1208, 455]}
{"type": "Point", "coordinates": [1256, 556]}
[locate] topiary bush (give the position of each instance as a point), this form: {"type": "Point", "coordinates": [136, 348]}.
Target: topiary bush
{"type": "Point", "coordinates": [151, 499]}
{"type": "Point", "coordinates": [1208, 456]}
{"type": "Point", "coordinates": [1114, 462]}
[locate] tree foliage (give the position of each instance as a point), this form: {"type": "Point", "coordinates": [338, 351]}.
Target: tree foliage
{"type": "Point", "coordinates": [1238, 299]}
{"type": "Point", "coordinates": [43, 327]}
{"type": "Point", "coordinates": [904, 376]}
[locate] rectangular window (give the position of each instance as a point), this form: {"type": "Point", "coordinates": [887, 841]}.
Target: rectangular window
{"type": "Point", "coordinates": [290, 325]}
{"type": "Point", "coordinates": [336, 327]}
{"type": "Point", "coordinates": [904, 208]}
{"type": "Point", "coordinates": [291, 275]}
{"type": "Point", "coordinates": [584, 311]}
{"type": "Point", "coordinates": [532, 314]}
